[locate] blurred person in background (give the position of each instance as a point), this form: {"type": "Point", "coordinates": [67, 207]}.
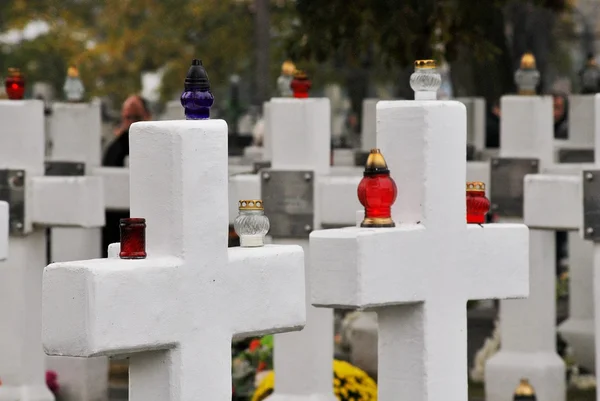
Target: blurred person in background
{"type": "Point", "coordinates": [135, 108]}
{"type": "Point", "coordinates": [561, 115]}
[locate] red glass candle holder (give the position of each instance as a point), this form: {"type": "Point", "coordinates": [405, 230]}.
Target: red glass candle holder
{"type": "Point", "coordinates": [133, 238]}
{"type": "Point", "coordinates": [300, 85]}
{"type": "Point", "coordinates": [477, 203]}
{"type": "Point", "coordinates": [377, 192]}
{"type": "Point", "coordinates": [15, 84]}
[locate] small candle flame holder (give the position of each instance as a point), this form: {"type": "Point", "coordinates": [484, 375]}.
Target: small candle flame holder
{"type": "Point", "coordinates": [133, 238]}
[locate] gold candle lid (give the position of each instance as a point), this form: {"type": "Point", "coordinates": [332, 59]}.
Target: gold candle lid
{"type": "Point", "coordinates": [251, 204]}
{"type": "Point", "coordinates": [425, 64]}
{"type": "Point", "coordinates": [528, 61]}
{"type": "Point", "coordinates": [475, 186]}
{"type": "Point", "coordinates": [73, 72]}
{"type": "Point", "coordinates": [288, 68]}
{"type": "Point", "coordinates": [524, 389]}
{"type": "Point", "coordinates": [376, 163]}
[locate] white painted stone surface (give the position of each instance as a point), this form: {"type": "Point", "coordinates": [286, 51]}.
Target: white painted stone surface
{"type": "Point", "coordinates": [553, 202]}
{"type": "Point", "coordinates": [528, 326]}
{"type": "Point", "coordinates": [76, 133]}
{"type": "Point", "coordinates": [582, 122]}
{"type": "Point", "coordinates": [128, 307]}
{"type": "Point", "coordinates": [49, 201]}
{"type": "Point", "coordinates": [268, 132]}
{"type": "Point", "coordinates": [301, 141]}
{"type": "Point", "coordinates": [421, 303]}
{"type": "Point", "coordinates": [4, 224]}
{"type": "Point", "coordinates": [75, 130]}
{"type": "Point", "coordinates": [368, 125]}
{"type": "Point", "coordinates": [475, 120]}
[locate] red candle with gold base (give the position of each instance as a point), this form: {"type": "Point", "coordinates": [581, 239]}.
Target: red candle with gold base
{"type": "Point", "coordinates": [377, 192]}
{"type": "Point", "coordinates": [14, 84]}
{"type": "Point", "coordinates": [300, 85]}
{"type": "Point", "coordinates": [477, 203]}
{"type": "Point", "coordinates": [133, 238]}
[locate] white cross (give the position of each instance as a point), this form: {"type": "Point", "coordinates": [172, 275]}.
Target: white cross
{"type": "Point", "coordinates": [528, 326]}
{"type": "Point", "coordinates": [49, 201]}
{"type": "Point", "coordinates": [175, 312]}
{"type": "Point", "coordinates": [420, 274]}
{"type": "Point", "coordinates": [76, 134]}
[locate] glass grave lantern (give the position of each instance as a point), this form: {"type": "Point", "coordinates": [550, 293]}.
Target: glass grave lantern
{"type": "Point", "coordinates": [14, 84]}
{"type": "Point", "coordinates": [524, 392]}
{"type": "Point", "coordinates": [527, 76]}
{"type": "Point", "coordinates": [133, 238]}
{"type": "Point", "coordinates": [377, 192]}
{"type": "Point", "coordinates": [284, 81]}
{"type": "Point", "coordinates": [426, 77]}
{"type": "Point", "coordinates": [251, 224]}
{"type": "Point", "coordinates": [478, 205]}
{"type": "Point", "coordinates": [300, 85]}
{"type": "Point", "coordinates": [197, 98]}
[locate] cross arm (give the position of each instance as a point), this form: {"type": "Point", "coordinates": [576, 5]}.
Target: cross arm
{"type": "Point", "coordinates": [362, 268]}
{"type": "Point", "coordinates": [496, 258]}
{"type": "Point", "coordinates": [116, 186]}
{"type": "Point", "coordinates": [67, 201]}
{"type": "Point", "coordinates": [553, 202]}
{"type": "Point", "coordinates": [338, 203]}
{"type": "Point", "coordinates": [109, 306]}
{"type": "Point", "coordinates": [266, 289]}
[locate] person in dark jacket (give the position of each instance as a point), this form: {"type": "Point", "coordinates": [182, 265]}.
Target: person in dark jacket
{"type": "Point", "coordinates": [561, 116]}
{"type": "Point", "coordinates": [492, 126]}
{"type": "Point", "coordinates": [134, 109]}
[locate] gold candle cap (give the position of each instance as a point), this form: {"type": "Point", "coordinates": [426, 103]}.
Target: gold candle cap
{"type": "Point", "coordinates": [73, 72]}
{"type": "Point", "coordinates": [288, 68]}
{"type": "Point", "coordinates": [376, 162]}
{"type": "Point", "coordinates": [14, 72]}
{"type": "Point", "coordinates": [475, 186]}
{"type": "Point", "coordinates": [425, 64]}
{"type": "Point", "coordinates": [251, 204]}
{"type": "Point", "coordinates": [528, 61]}
{"type": "Point", "coordinates": [524, 389]}
{"type": "Point", "coordinates": [300, 74]}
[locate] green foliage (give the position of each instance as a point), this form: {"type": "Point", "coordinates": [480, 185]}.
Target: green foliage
{"type": "Point", "coordinates": [395, 32]}
{"type": "Point", "coordinates": [113, 41]}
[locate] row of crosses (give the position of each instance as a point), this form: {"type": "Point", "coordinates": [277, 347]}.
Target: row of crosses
{"type": "Point", "coordinates": [178, 295]}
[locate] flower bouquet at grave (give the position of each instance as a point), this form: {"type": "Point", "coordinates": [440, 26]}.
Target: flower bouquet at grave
{"type": "Point", "coordinates": [248, 364]}
{"type": "Point", "coordinates": [349, 384]}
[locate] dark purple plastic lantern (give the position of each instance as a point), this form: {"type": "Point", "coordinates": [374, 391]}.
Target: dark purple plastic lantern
{"type": "Point", "coordinates": [196, 98]}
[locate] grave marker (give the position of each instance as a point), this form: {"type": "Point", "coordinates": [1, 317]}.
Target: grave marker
{"type": "Point", "coordinates": [3, 230]}
{"type": "Point", "coordinates": [75, 133]}
{"type": "Point", "coordinates": [35, 200]}
{"type": "Point", "coordinates": [175, 312]}
{"type": "Point", "coordinates": [419, 275]}
{"type": "Point", "coordinates": [528, 326]}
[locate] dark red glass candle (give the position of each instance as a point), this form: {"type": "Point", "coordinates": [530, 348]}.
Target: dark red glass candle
{"type": "Point", "coordinates": [477, 203]}
{"type": "Point", "coordinates": [133, 238]}
{"type": "Point", "coordinates": [14, 84]}
{"type": "Point", "coordinates": [300, 85]}
{"type": "Point", "coordinates": [377, 192]}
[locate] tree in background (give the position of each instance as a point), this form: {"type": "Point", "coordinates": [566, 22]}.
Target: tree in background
{"type": "Point", "coordinates": [114, 41]}
{"type": "Point", "coordinates": [395, 33]}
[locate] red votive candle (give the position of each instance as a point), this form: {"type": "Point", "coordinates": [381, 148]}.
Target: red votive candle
{"type": "Point", "coordinates": [477, 203]}
{"type": "Point", "coordinates": [133, 238]}
{"type": "Point", "coordinates": [377, 192]}
{"type": "Point", "coordinates": [14, 84]}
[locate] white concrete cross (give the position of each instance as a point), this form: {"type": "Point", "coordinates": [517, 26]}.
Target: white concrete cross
{"type": "Point", "coordinates": [301, 141]}
{"type": "Point", "coordinates": [175, 312]}
{"type": "Point", "coordinates": [4, 217]}
{"type": "Point", "coordinates": [76, 134]}
{"type": "Point", "coordinates": [49, 201]}
{"type": "Point", "coordinates": [528, 326]}
{"type": "Point", "coordinates": [419, 275]}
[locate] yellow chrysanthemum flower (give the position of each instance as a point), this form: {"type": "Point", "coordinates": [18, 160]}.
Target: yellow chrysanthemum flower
{"type": "Point", "coordinates": [349, 384]}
